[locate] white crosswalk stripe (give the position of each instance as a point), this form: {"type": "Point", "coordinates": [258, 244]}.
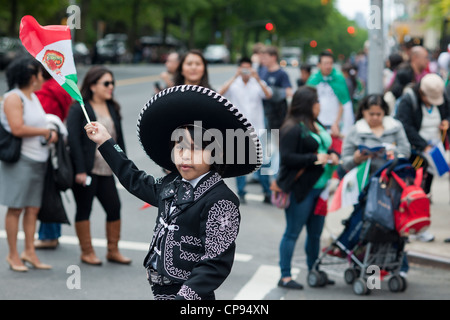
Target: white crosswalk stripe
{"type": "Point", "coordinates": [123, 244]}
{"type": "Point", "coordinates": [262, 282]}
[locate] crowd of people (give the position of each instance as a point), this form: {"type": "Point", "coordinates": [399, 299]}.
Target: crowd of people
{"type": "Point", "coordinates": [321, 124]}
{"type": "Point", "coordinates": [330, 115]}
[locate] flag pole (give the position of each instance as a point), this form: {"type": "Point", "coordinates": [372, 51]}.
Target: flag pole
{"type": "Point", "coordinates": [85, 113]}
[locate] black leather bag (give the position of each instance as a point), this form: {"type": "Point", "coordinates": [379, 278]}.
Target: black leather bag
{"type": "Point", "coordinates": [52, 207]}
{"type": "Point", "coordinates": [10, 146]}
{"type": "Point", "coordinates": [62, 165]}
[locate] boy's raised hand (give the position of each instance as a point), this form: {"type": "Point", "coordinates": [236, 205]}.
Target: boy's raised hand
{"type": "Point", "coordinates": [97, 132]}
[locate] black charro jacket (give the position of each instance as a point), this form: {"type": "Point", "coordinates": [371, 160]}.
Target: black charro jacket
{"type": "Point", "coordinates": [82, 149]}
{"type": "Point", "coordinates": [195, 246]}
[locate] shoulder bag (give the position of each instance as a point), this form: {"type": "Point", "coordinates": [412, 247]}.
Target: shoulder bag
{"type": "Point", "coordinates": [10, 146]}
{"type": "Point", "coordinates": [279, 198]}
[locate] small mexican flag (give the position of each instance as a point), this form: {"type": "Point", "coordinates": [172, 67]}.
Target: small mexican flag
{"type": "Point", "coordinates": [349, 188]}
{"type": "Point", "coordinates": [52, 47]}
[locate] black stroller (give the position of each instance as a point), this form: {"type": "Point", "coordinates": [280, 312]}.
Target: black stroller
{"type": "Point", "coordinates": [370, 245]}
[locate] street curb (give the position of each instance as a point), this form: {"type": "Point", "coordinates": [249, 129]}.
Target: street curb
{"type": "Point", "coordinates": [428, 260]}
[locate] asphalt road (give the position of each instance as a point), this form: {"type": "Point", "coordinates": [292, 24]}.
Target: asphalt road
{"type": "Point", "coordinates": [255, 272]}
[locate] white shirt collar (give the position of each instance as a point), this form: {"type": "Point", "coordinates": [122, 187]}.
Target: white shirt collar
{"type": "Point", "coordinates": [194, 182]}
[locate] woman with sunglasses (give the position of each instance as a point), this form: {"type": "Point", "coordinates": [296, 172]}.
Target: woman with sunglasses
{"type": "Point", "coordinates": [93, 177]}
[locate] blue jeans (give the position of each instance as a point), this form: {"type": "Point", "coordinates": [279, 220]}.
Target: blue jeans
{"type": "Point", "coordinates": [49, 231]}
{"type": "Point", "coordinates": [264, 180]}
{"type": "Point", "coordinates": [297, 216]}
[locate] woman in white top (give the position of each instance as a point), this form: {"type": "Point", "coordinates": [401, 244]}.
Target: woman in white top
{"type": "Point", "coordinates": [22, 182]}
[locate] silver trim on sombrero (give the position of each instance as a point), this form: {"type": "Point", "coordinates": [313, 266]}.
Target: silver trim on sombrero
{"type": "Point", "coordinates": [225, 102]}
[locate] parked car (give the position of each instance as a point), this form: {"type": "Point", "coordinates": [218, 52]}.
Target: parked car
{"type": "Point", "coordinates": [156, 51]}
{"type": "Point", "coordinates": [112, 48]}
{"type": "Point", "coordinates": [290, 56]}
{"type": "Point", "coordinates": [81, 53]}
{"type": "Point", "coordinates": [289, 61]}
{"type": "Point", "coordinates": [10, 48]}
{"type": "Point", "coordinates": [313, 60]}
{"type": "Point", "coordinates": [217, 53]}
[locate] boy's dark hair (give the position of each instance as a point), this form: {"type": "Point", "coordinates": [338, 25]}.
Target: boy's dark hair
{"type": "Point", "coordinates": [325, 53]}
{"type": "Point", "coordinates": [20, 71]}
{"type": "Point", "coordinates": [244, 60]}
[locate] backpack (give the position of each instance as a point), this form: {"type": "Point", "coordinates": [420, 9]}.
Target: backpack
{"type": "Point", "coordinates": [413, 213]}
{"type": "Point", "coordinates": [408, 91]}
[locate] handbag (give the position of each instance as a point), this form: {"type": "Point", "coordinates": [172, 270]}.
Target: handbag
{"type": "Point", "coordinates": [62, 165]}
{"type": "Point", "coordinates": [380, 203]}
{"type": "Point", "coordinates": [279, 198]}
{"type": "Point", "coordinates": [52, 207]}
{"type": "Point", "coordinates": [10, 146]}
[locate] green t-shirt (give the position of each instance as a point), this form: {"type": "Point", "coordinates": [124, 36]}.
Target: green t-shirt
{"type": "Point", "coordinates": [324, 140]}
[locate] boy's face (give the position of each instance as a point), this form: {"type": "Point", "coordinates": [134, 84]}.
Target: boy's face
{"type": "Point", "coordinates": [191, 160]}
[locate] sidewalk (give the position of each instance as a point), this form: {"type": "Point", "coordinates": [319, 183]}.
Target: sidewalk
{"type": "Point", "coordinates": [435, 253]}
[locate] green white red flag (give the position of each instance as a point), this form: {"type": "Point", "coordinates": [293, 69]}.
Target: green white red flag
{"type": "Point", "coordinates": [350, 187]}
{"type": "Point", "coordinates": [52, 47]}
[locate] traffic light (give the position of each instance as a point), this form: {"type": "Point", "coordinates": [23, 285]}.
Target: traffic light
{"type": "Point", "coordinates": [313, 43]}
{"type": "Point", "coordinates": [351, 30]}
{"type": "Point", "coordinates": [269, 26]}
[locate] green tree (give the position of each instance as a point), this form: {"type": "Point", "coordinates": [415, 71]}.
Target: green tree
{"type": "Point", "coordinates": [335, 36]}
{"type": "Point", "coordinates": [45, 12]}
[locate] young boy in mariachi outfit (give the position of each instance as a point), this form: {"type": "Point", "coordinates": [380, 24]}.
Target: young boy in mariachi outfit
{"type": "Point", "coordinates": [186, 130]}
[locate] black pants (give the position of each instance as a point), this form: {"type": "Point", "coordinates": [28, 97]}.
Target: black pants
{"type": "Point", "coordinates": [102, 187]}
{"type": "Point", "coordinates": [275, 113]}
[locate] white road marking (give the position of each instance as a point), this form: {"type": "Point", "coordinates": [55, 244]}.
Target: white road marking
{"type": "Point", "coordinates": [263, 281]}
{"type": "Point", "coordinates": [123, 244]}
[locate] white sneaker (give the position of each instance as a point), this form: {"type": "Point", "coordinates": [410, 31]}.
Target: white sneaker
{"type": "Point", "coordinates": [424, 237]}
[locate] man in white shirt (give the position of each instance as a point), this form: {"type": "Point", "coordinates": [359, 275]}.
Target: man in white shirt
{"type": "Point", "coordinates": [247, 91]}
{"type": "Point", "coordinates": [333, 94]}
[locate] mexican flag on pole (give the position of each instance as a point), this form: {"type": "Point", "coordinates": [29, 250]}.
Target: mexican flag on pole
{"type": "Point", "coordinates": [349, 188]}
{"type": "Point", "coordinates": [52, 47]}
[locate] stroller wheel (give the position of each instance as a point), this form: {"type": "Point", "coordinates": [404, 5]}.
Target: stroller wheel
{"type": "Point", "coordinates": [359, 287]}
{"type": "Point", "coordinates": [404, 283]}
{"type": "Point", "coordinates": [396, 283]}
{"type": "Point", "coordinates": [314, 278]}
{"type": "Point", "coordinates": [350, 275]}
{"type": "Point", "coordinates": [323, 278]}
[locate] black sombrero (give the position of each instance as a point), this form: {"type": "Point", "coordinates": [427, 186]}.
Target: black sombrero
{"type": "Point", "coordinates": [186, 105]}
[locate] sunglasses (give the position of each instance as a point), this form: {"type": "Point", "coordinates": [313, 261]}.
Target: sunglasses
{"type": "Point", "coordinates": [107, 83]}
